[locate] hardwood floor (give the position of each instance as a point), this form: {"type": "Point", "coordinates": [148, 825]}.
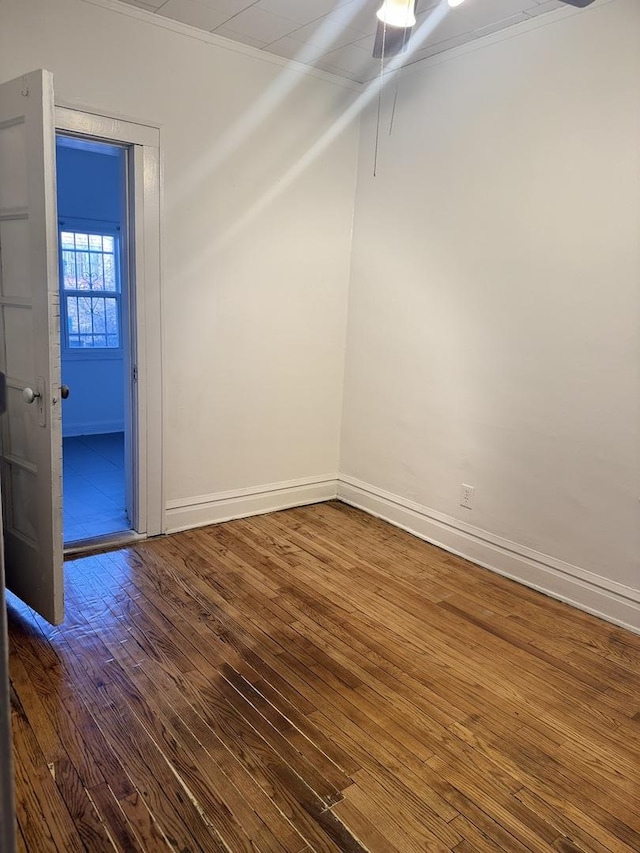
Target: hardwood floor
{"type": "Point", "coordinates": [316, 680]}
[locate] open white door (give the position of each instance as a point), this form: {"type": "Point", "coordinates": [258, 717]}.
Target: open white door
{"type": "Point", "coordinates": [31, 434]}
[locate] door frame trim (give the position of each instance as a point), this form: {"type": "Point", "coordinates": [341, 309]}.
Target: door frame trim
{"type": "Point", "coordinates": [144, 141]}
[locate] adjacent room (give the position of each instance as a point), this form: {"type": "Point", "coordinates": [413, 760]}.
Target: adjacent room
{"type": "Point", "coordinates": [350, 328]}
{"type": "Point", "coordinates": [92, 220]}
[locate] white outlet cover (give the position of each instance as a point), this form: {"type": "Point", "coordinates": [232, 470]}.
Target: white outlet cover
{"type": "Point", "coordinates": [466, 496]}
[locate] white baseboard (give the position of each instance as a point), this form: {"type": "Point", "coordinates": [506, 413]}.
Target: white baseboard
{"type": "Point", "coordinates": [69, 430]}
{"type": "Point", "coordinates": [582, 589]}
{"type": "Point", "coordinates": [585, 590]}
{"type": "Point", "coordinates": [224, 506]}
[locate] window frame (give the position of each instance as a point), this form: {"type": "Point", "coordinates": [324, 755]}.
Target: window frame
{"type": "Point", "coordinates": [105, 229]}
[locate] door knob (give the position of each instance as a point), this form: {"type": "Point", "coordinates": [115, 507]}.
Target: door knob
{"type": "Point", "coordinates": [64, 391]}
{"type": "Point", "coordinates": [29, 395]}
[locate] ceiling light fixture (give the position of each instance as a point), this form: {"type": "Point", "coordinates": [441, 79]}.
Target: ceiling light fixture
{"type": "Point", "coordinates": [398, 13]}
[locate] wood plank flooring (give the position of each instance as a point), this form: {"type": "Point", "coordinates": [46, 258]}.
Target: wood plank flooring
{"type": "Point", "coordinates": [316, 680]}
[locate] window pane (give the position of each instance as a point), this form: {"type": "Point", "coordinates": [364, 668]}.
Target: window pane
{"type": "Point", "coordinates": [112, 324]}
{"type": "Point", "coordinates": [69, 270]}
{"type": "Point", "coordinates": [85, 316]}
{"type": "Point", "coordinates": [66, 239]}
{"type": "Point", "coordinates": [72, 314]}
{"type": "Point", "coordinates": [108, 243]}
{"type": "Point", "coordinates": [109, 272]}
{"type": "Point", "coordinates": [82, 241]}
{"type": "Point", "coordinates": [95, 271]}
{"type": "Point", "coordinates": [99, 323]}
{"type": "Point", "coordinates": [95, 242]}
{"type": "Point", "coordinates": [83, 272]}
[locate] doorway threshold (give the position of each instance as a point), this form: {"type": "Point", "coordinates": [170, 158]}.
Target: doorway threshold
{"type": "Point", "coordinates": [108, 541]}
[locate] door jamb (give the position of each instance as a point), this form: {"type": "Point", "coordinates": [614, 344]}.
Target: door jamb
{"type": "Point", "coordinates": [145, 272]}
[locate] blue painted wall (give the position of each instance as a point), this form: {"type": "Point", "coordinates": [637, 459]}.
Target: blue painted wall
{"type": "Point", "coordinates": [90, 188]}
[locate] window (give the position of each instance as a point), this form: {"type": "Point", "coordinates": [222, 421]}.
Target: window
{"type": "Point", "coordinates": [90, 285]}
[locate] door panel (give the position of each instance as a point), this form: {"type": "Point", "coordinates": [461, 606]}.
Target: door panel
{"type": "Point", "coordinates": [14, 239]}
{"type": "Point", "coordinates": [30, 434]}
{"type": "Point", "coordinates": [13, 165]}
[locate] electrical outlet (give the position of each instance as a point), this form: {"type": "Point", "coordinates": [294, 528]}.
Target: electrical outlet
{"type": "Point", "coordinates": [466, 496]}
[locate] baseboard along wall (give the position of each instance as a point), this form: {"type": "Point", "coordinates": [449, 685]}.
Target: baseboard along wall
{"type": "Point", "coordinates": [580, 588]}
{"type": "Point", "coordinates": [240, 503]}
{"type": "Point", "coordinates": [70, 430]}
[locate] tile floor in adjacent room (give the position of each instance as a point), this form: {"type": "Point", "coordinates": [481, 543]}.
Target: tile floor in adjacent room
{"type": "Point", "coordinates": [93, 486]}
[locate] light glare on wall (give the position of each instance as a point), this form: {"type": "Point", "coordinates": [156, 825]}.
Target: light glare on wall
{"type": "Point", "coordinates": [454, 3]}
{"type": "Point", "coordinates": [397, 13]}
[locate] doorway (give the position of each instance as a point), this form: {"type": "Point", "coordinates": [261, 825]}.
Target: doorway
{"type": "Point", "coordinates": [96, 295]}
{"type": "Point", "coordinates": [123, 441]}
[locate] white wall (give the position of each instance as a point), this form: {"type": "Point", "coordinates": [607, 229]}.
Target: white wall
{"type": "Point", "coordinates": [254, 292]}
{"type": "Point", "coordinates": [493, 315]}
{"type": "Point", "coordinates": [96, 400]}
{"type": "Point", "coordinates": [90, 186]}
{"type": "Point", "coordinates": [494, 333]}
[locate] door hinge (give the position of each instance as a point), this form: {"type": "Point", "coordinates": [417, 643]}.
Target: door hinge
{"type": "Point", "coordinates": [134, 373]}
